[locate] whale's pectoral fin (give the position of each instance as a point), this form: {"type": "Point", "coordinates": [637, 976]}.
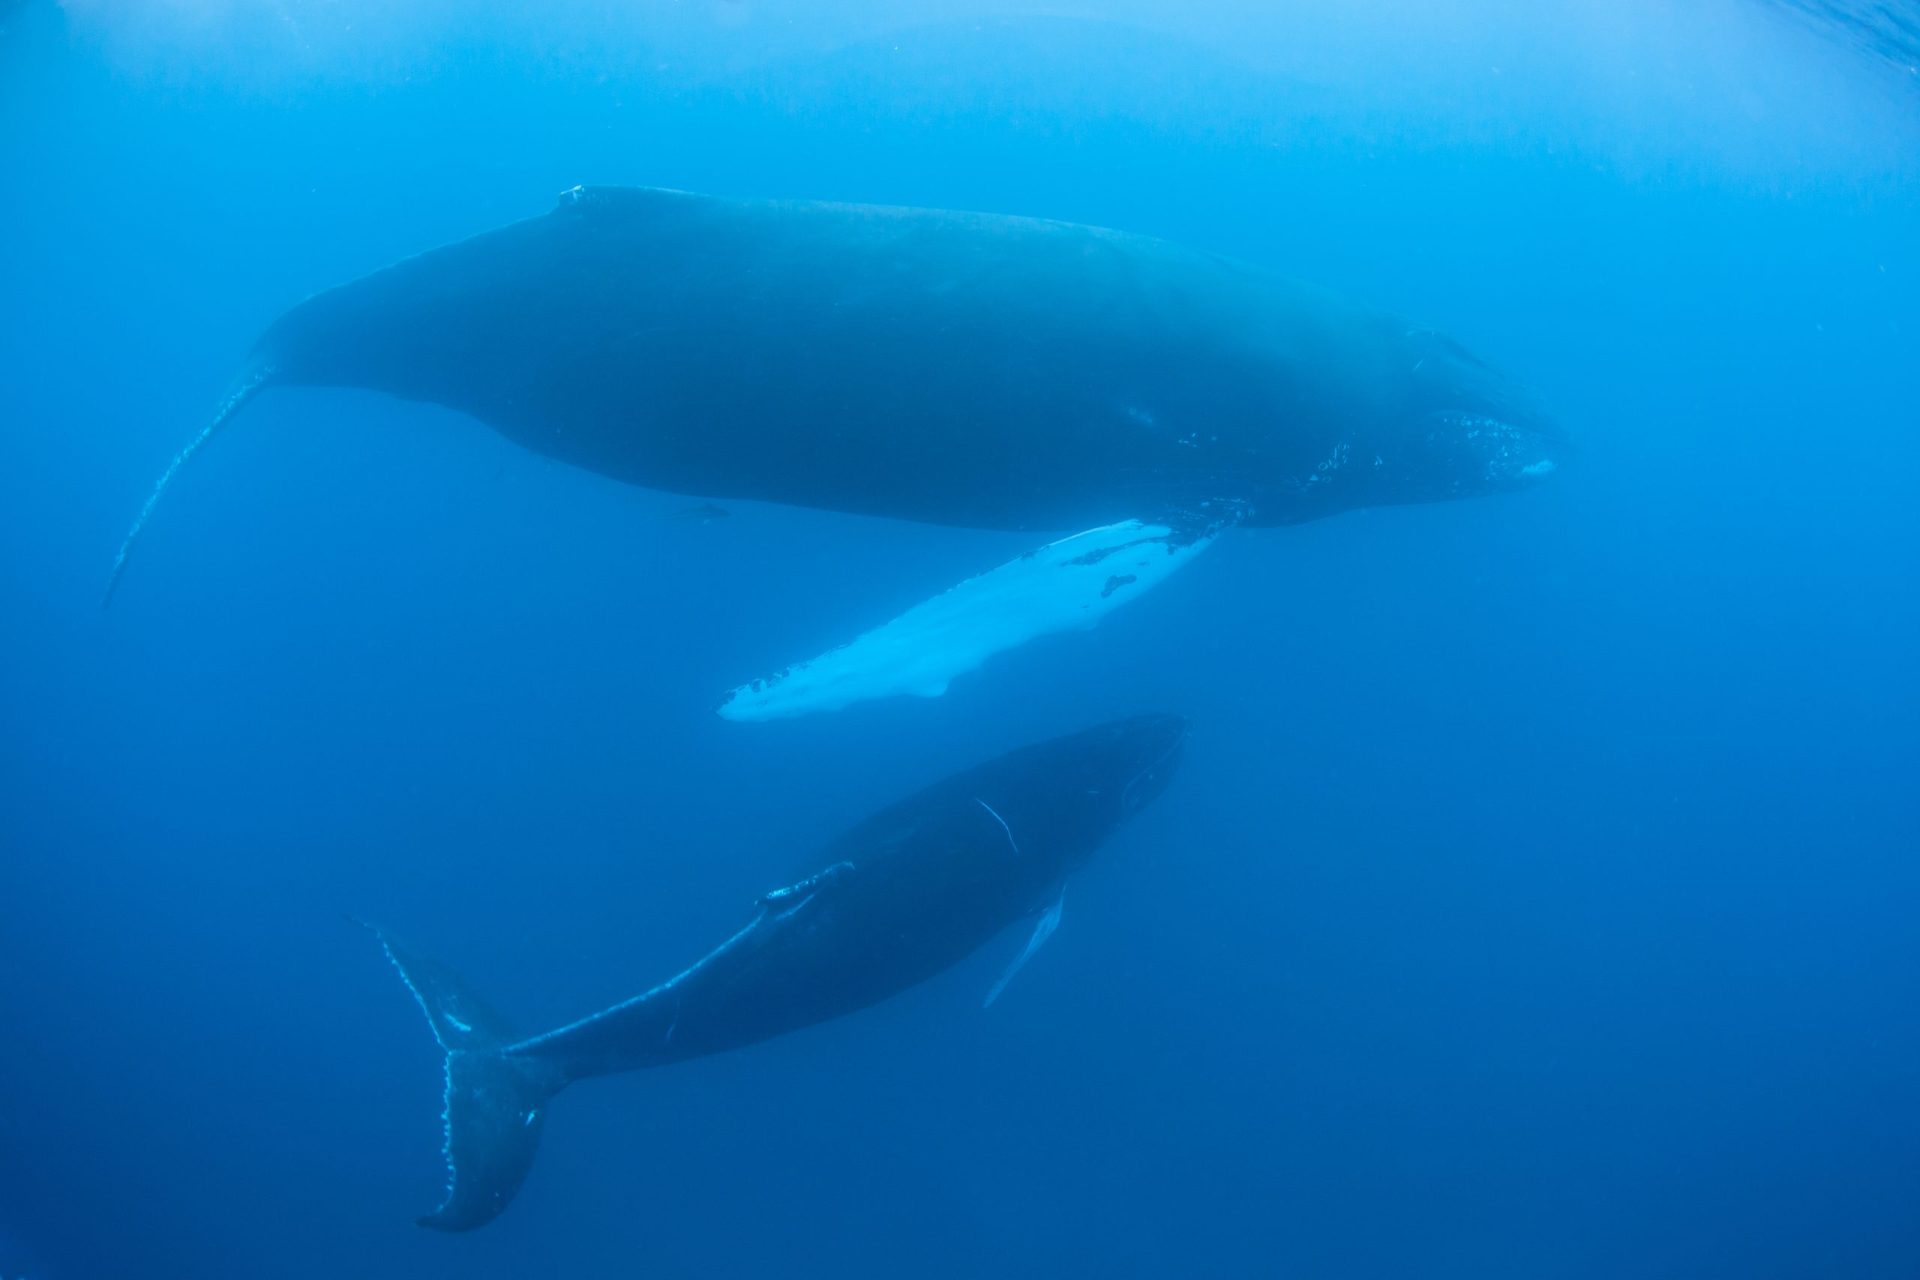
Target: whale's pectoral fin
{"type": "Point", "coordinates": [1065, 585]}
{"type": "Point", "coordinates": [255, 381]}
{"type": "Point", "coordinates": [1041, 932]}
{"type": "Point", "coordinates": [493, 1102]}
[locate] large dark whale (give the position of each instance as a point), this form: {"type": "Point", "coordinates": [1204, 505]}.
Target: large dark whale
{"type": "Point", "coordinates": [957, 368]}
{"type": "Point", "coordinates": [905, 894]}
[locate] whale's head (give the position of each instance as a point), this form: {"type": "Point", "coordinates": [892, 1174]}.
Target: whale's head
{"type": "Point", "coordinates": [1092, 780]}
{"type": "Point", "coordinates": [1454, 427]}
{"type": "Point", "coordinates": [1104, 775]}
{"type": "Point", "coordinates": [1055, 801]}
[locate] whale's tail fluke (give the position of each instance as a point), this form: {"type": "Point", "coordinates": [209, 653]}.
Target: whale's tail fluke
{"type": "Point", "coordinates": [494, 1103]}
{"type": "Point", "coordinates": [255, 381]}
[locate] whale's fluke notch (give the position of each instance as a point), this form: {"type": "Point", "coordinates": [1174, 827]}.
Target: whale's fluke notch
{"type": "Point", "coordinates": [494, 1103]}
{"type": "Point", "coordinates": [252, 384]}
{"type": "Point", "coordinates": [1063, 586]}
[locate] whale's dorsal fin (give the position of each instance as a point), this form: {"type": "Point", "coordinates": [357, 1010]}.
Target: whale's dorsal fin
{"type": "Point", "coordinates": [784, 902]}
{"type": "Point", "coordinates": [1041, 932]}
{"type": "Point", "coordinates": [598, 200]}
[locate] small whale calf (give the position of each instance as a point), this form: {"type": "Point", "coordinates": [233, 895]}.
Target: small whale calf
{"type": "Point", "coordinates": [909, 892]}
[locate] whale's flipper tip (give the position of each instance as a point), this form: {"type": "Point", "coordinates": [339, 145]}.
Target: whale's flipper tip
{"type": "Point", "coordinates": [115, 574]}
{"type": "Point", "coordinates": [493, 1104]}
{"type": "Point", "coordinates": [251, 385]}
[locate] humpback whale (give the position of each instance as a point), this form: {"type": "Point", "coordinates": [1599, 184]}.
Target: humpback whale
{"type": "Point", "coordinates": [964, 369]}
{"type": "Point", "coordinates": [905, 894]}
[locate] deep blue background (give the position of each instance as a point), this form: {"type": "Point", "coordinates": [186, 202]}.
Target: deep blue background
{"type": "Point", "coordinates": [1538, 898]}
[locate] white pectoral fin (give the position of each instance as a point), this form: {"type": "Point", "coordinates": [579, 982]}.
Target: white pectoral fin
{"type": "Point", "coordinates": [1041, 932]}
{"type": "Point", "coordinates": [1063, 586]}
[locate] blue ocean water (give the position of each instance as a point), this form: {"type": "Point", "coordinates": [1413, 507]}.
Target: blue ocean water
{"type": "Point", "coordinates": [1538, 894]}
